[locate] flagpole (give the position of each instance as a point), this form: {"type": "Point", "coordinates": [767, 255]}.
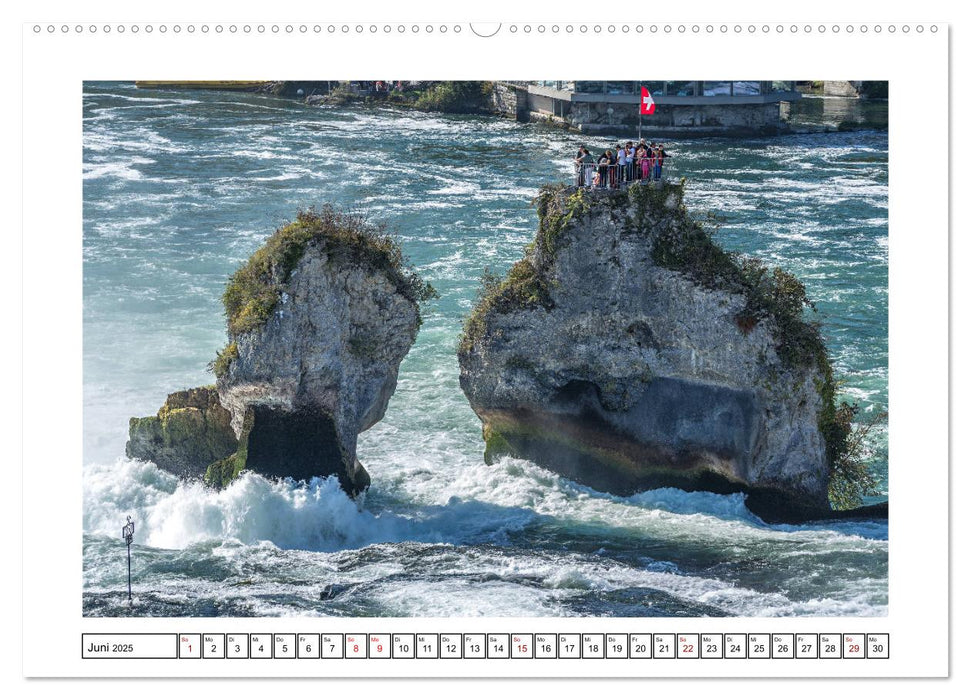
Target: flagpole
{"type": "Point", "coordinates": [640, 114]}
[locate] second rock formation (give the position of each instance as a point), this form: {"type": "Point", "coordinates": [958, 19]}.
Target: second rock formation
{"type": "Point", "coordinates": [627, 351]}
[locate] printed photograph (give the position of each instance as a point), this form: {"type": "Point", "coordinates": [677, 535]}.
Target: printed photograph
{"type": "Point", "coordinates": [396, 348]}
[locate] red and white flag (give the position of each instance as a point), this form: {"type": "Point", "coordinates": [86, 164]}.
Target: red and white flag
{"type": "Point", "coordinates": [647, 102]}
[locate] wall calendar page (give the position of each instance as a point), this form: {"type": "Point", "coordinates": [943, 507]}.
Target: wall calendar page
{"type": "Point", "coordinates": [580, 347]}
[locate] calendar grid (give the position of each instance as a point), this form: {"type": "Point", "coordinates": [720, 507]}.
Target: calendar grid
{"type": "Point", "coordinates": [509, 646]}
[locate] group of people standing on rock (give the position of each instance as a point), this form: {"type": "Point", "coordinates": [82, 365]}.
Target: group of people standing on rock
{"type": "Point", "coordinates": [621, 164]}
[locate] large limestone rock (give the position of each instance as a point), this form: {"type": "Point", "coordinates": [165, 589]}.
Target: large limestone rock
{"type": "Point", "coordinates": [627, 351]}
{"type": "Point", "coordinates": [319, 320]}
{"type": "Point", "coordinates": [189, 432]}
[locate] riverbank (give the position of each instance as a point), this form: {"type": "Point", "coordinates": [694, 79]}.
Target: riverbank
{"type": "Point", "coordinates": [811, 114]}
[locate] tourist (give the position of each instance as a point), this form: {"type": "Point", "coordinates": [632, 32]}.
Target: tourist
{"type": "Point", "coordinates": [659, 156]}
{"type": "Point", "coordinates": [621, 164]}
{"type": "Point", "coordinates": [652, 156]}
{"type": "Point", "coordinates": [612, 168]}
{"type": "Point", "coordinates": [643, 162]}
{"type": "Point", "coordinates": [629, 149]}
{"type": "Point", "coordinates": [586, 164]}
{"type": "Point", "coordinates": [576, 165]}
{"type": "Point", "coordinates": [604, 166]}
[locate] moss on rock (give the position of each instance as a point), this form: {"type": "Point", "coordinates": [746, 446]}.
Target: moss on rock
{"type": "Point", "coordinates": [223, 471]}
{"type": "Point", "coordinates": [496, 446]}
{"type": "Point", "coordinates": [190, 430]}
{"type": "Point", "coordinates": [556, 207]}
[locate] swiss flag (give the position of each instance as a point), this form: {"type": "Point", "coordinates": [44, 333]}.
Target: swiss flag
{"type": "Point", "coordinates": [647, 102]}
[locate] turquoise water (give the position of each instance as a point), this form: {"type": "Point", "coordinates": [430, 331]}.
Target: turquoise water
{"type": "Point", "coordinates": [181, 187]}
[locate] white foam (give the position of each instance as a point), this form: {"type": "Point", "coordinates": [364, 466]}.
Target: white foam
{"type": "Point", "coordinates": [175, 514]}
{"type": "Point", "coordinates": [123, 170]}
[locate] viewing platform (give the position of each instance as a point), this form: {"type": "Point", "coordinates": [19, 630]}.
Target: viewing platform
{"type": "Point", "coordinates": [690, 107]}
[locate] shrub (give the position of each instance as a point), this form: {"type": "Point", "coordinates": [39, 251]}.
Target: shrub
{"type": "Point", "coordinates": [849, 453]}
{"type": "Point", "coordinates": [224, 358]}
{"type": "Point", "coordinates": [254, 290]}
{"type": "Point", "coordinates": [460, 96]}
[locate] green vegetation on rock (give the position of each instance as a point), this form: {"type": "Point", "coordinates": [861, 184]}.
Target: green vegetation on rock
{"type": "Point", "coordinates": [522, 288]}
{"type": "Point", "coordinates": [772, 293]}
{"type": "Point", "coordinates": [847, 451]}
{"type": "Point", "coordinates": [221, 473]}
{"type": "Point", "coordinates": [224, 357]}
{"type": "Point", "coordinates": [255, 289]}
{"type": "Point", "coordinates": [496, 446]}
{"type": "Point", "coordinates": [654, 199]}
{"type": "Point", "coordinates": [556, 209]}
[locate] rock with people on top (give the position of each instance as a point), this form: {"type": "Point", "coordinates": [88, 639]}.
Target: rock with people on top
{"type": "Point", "coordinates": [628, 351]}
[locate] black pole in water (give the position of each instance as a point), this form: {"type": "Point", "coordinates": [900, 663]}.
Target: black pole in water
{"type": "Point", "coordinates": [128, 532]}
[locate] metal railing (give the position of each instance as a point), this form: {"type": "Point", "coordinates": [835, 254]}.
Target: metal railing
{"type": "Point", "coordinates": [615, 176]}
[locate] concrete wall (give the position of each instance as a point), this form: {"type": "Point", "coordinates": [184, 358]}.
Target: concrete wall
{"type": "Point", "coordinates": [753, 118]}
{"type": "Point", "coordinates": [506, 100]}
{"type": "Point", "coordinates": [841, 88]}
{"type": "Point", "coordinates": [613, 115]}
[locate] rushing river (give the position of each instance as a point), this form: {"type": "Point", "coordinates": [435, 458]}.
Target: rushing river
{"type": "Point", "coordinates": [181, 187]}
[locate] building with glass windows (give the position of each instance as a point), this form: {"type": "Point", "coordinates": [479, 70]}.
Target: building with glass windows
{"type": "Point", "coordinates": [720, 106]}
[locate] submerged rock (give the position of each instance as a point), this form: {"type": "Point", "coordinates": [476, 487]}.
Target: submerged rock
{"type": "Point", "coordinates": [628, 352]}
{"type": "Point", "coordinates": [319, 320]}
{"type": "Point", "coordinates": [190, 431]}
